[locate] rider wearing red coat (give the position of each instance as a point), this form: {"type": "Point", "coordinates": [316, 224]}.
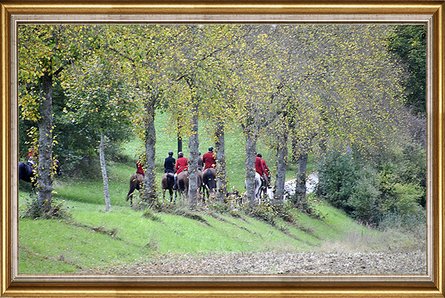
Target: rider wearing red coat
{"type": "Point", "coordinates": [262, 168]}
{"type": "Point", "coordinates": [181, 163]}
{"type": "Point", "coordinates": [259, 166]}
{"type": "Point", "coordinates": [209, 159]}
{"type": "Point", "coordinates": [139, 169]}
{"type": "Point", "coordinates": [265, 167]}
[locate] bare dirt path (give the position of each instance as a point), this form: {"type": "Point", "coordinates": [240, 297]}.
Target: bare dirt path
{"type": "Point", "coordinates": [371, 263]}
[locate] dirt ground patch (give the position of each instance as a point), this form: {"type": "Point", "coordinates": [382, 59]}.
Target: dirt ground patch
{"type": "Point", "coordinates": [313, 263]}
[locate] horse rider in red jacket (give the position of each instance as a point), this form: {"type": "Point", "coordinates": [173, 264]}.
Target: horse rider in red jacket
{"type": "Point", "coordinates": [30, 157]}
{"type": "Point", "coordinates": [262, 168]}
{"type": "Point", "coordinates": [209, 159]}
{"type": "Point", "coordinates": [139, 169]}
{"type": "Point", "coordinates": [180, 166]}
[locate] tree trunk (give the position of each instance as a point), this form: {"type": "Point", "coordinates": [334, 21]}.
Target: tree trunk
{"type": "Point", "coordinates": [179, 136]}
{"type": "Point", "coordinates": [193, 161]}
{"type": "Point", "coordinates": [149, 193]}
{"type": "Point", "coordinates": [179, 143]}
{"type": "Point", "coordinates": [103, 167]}
{"type": "Point", "coordinates": [45, 147]}
{"type": "Point", "coordinates": [250, 167]}
{"type": "Point", "coordinates": [281, 169]}
{"type": "Point", "coordinates": [221, 173]}
{"type": "Point", "coordinates": [300, 188]}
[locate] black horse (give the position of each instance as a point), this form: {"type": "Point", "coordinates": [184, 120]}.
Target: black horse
{"type": "Point", "coordinates": [209, 181]}
{"type": "Point", "coordinates": [26, 173]}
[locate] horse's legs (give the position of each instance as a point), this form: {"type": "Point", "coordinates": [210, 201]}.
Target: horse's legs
{"type": "Point", "coordinates": [207, 192]}
{"type": "Point", "coordinates": [170, 192]}
{"type": "Point", "coordinates": [258, 192]}
{"type": "Point", "coordinates": [130, 195]}
{"type": "Point", "coordinates": [163, 196]}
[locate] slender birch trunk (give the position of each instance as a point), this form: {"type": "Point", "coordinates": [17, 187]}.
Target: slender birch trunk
{"type": "Point", "coordinates": [103, 167]}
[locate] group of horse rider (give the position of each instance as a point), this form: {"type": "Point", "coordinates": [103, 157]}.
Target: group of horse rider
{"type": "Point", "coordinates": [206, 161]}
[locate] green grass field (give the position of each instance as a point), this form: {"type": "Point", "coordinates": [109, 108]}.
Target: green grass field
{"type": "Point", "coordinates": [95, 239]}
{"type": "Point", "coordinates": [92, 238]}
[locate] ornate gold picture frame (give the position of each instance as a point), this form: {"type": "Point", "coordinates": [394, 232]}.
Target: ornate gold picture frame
{"type": "Point", "coordinates": [428, 12]}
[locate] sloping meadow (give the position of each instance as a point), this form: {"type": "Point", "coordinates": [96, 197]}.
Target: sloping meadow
{"type": "Point", "coordinates": [93, 239]}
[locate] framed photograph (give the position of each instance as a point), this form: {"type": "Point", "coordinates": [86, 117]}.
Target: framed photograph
{"type": "Point", "coordinates": [222, 148]}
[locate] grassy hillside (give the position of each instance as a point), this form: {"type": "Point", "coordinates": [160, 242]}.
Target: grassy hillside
{"type": "Point", "coordinates": [93, 238]}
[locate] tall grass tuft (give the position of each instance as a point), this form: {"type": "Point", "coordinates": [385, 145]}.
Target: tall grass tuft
{"type": "Point", "coordinates": [34, 210]}
{"type": "Point", "coordinates": [181, 211]}
{"type": "Point", "coordinates": [150, 215]}
{"type": "Point", "coordinates": [413, 224]}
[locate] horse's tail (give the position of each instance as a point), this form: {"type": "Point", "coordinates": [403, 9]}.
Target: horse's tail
{"type": "Point", "coordinates": [181, 185]}
{"type": "Point", "coordinates": [209, 178]}
{"type": "Point", "coordinates": [170, 180]}
{"type": "Point", "coordinates": [130, 192]}
{"type": "Point", "coordinates": [133, 182]}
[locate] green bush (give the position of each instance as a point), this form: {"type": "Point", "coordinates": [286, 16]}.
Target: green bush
{"type": "Point", "coordinates": [365, 198]}
{"type": "Point", "coordinates": [405, 199]}
{"type": "Point", "coordinates": [264, 211]}
{"type": "Point", "coordinates": [219, 207]}
{"type": "Point", "coordinates": [35, 210]}
{"type": "Point", "coordinates": [369, 191]}
{"type": "Point", "coordinates": [338, 174]}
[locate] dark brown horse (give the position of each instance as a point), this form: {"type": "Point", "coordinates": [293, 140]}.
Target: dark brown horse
{"type": "Point", "coordinates": [183, 183]}
{"type": "Point", "coordinates": [167, 183]}
{"type": "Point", "coordinates": [136, 181]}
{"type": "Point", "coordinates": [209, 182]}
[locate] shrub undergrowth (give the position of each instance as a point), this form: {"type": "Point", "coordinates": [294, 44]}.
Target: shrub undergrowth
{"type": "Point", "coordinates": [377, 191]}
{"type": "Point", "coordinates": [35, 210]}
